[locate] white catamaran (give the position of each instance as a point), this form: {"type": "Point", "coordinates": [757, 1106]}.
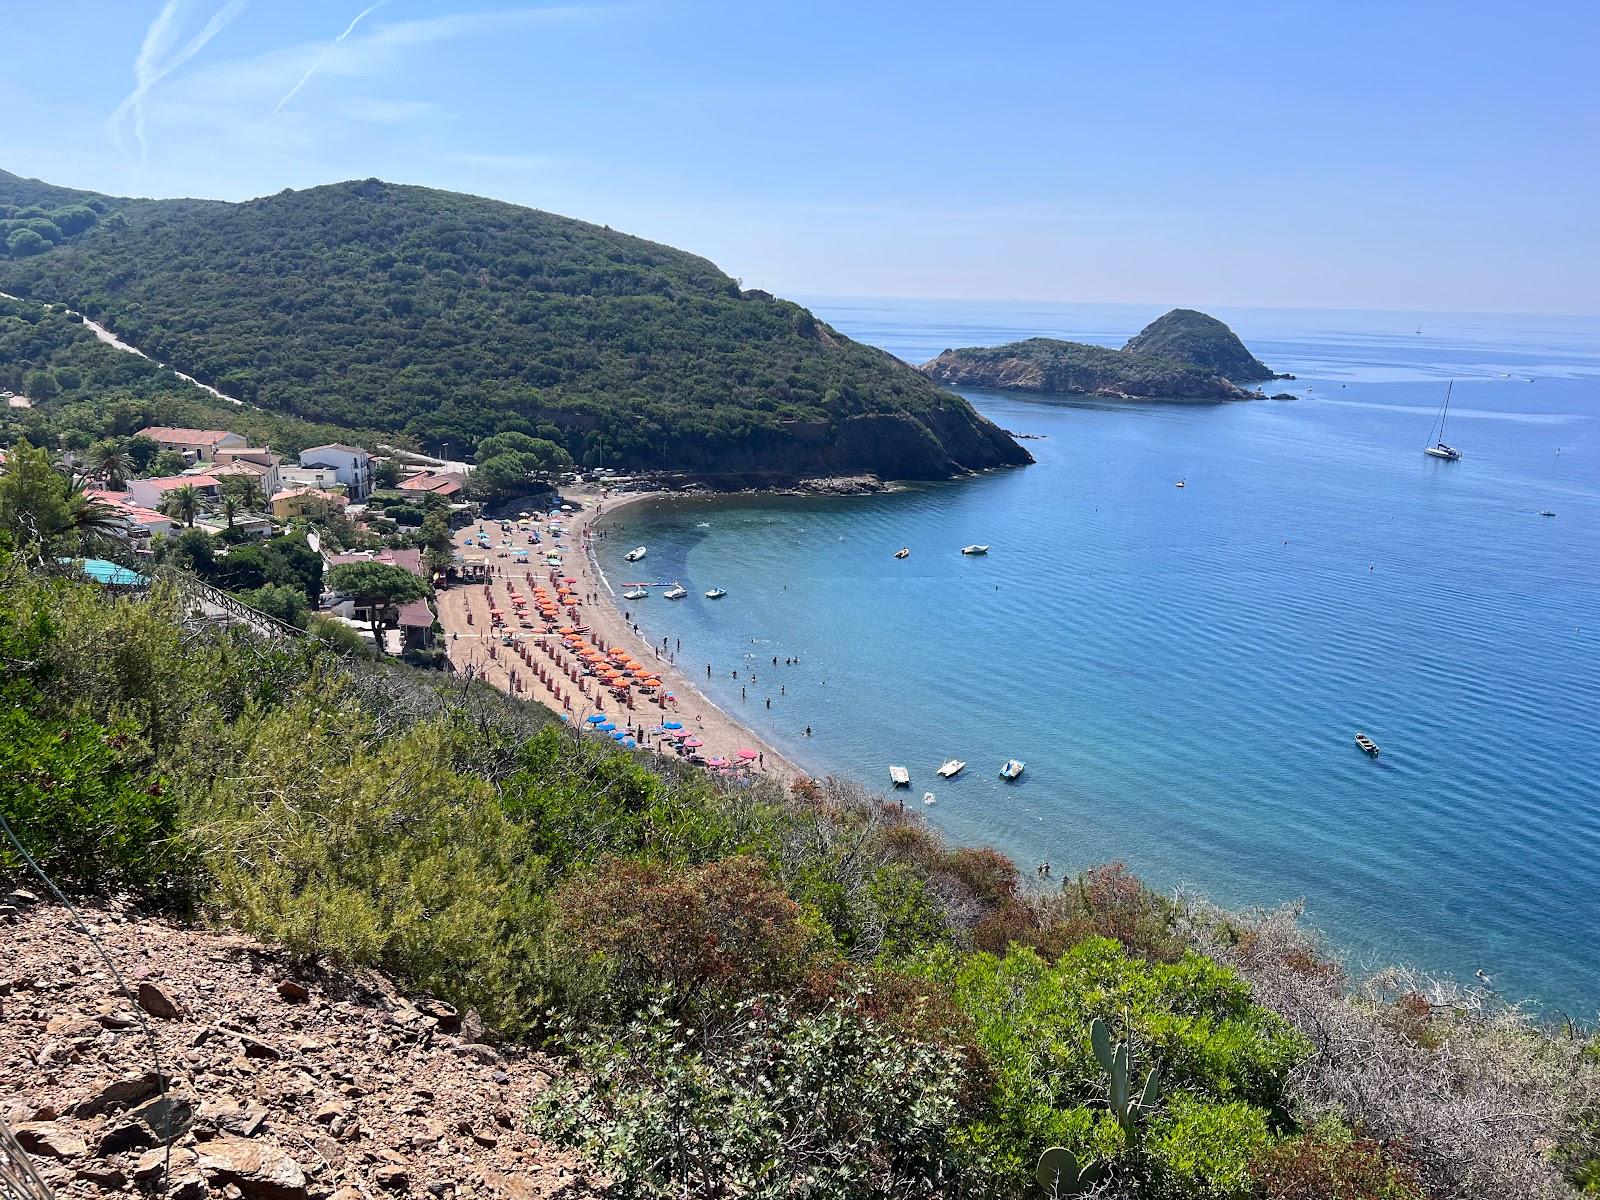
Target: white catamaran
{"type": "Point", "coordinates": [1438, 449]}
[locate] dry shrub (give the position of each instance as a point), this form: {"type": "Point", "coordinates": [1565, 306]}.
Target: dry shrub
{"type": "Point", "coordinates": [1481, 1105]}
{"type": "Point", "coordinates": [1315, 1167]}
{"type": "Point", "coordinates": [725, 929]}
{"type": "Point", "coordinates": [1110, 901]}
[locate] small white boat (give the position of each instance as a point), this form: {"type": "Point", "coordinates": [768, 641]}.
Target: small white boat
{"type": "Point", "coordinates": [927, 797]}
{"type": "Point", "coordinates": [676, 592]}
{"type": "Point", "coordinates": [974, 549]}
{"type": "Point", "coordinates": [903, 552]}
{"type": "Point", "coordinates": [635, 554]}
{"type": "Point", "coordinates": [715, 594]}
{"type": "Point", "coordinates": [900, 777]}
{"type": "Point", "coordinates": [1013, 768]}
{"type": "Point", "coordinates": [635, 594]}
{"type": "Point", "coordinates": [1545, 512]}
{"type": "Point", "coordinates": [952, 768]}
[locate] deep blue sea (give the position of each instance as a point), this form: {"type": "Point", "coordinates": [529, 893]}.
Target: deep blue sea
{"type": "Point", "coordinates": [1183, 670]}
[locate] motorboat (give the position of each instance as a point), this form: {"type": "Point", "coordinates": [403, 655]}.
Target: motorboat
{"type": "Point", "coordinates": [636, 594]}
{"type": "Point", "coordinates": [903, 552]}
{"type": "Point", "coordinates": [715, 594]}
{"type": "Point", "coordinates": [1367, 744]}
{"type": "Point", "coordinates": [676, 592]}
{"type": "Point", "coordinates": [952, 768]}
{"type": "Point", "coordinates": [1546, 512]}
{"type": "Point", "coordinates": [974, 549]}
{"type": "Point", "coordinates": [1439, 449]}
{"type": "Point", "coordinates": [899, 776]}
{"type": "Point", "coordinates": [635, 554]}
{"type": "Point", "coordinates": [1012, 769]}
{"type": "Point", "coordinates": [1181, 483]}
{"type": "Point", "coordinates": [927, 797]}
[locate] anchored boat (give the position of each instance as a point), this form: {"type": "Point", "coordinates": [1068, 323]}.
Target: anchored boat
{"type": "Point", "coordinates": [1367, 744]}
{"type": "Point", "coordinates": [952, 768]}
{"type": "Point", "coordinates": [635, 594]}
{"type": "Point", "coordinates": [715, 594]}
{"type": "Point", "coordinates": [899, 776]}
{"type": "Point", "coordinates": [676, 592]}
{"type": "Point", "coordinates": [1438, 449]}
{"type": "Point", "coordinates": [974, 549]}
{"type": "Point", "coordinates": [1012, 769]}
{"type": "Point", "coordinates": [903, 552]}
{"type": "Point", "coordinates": [635, 554]}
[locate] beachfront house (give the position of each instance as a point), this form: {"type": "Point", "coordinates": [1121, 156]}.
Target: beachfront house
{"type": "Point", "coordinates": [138, 523]}
{"type": "Point", "coordinates": [411, 623]}
{"type": "Point", "coordinates": [448, 486]}
{"type": "Point", "coordinates": [197, 445]}
{"type": "Point", "coordinates": [262, 463]}
{"type": "Point", "coordinates": [351, 464]}
{"type": "Point", "coordinates": [325, 478]}
{"type": "Point", "coordinates": [307, 502]}
{"type": "Point", "coordinates": [150, 492]}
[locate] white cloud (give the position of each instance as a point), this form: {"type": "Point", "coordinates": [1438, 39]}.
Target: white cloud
{"type": "Point", "coordinates": [321, 58]}
{"type": "Point", "coordinates": [158, 39]}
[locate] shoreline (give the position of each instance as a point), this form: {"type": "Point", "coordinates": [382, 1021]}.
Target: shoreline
{"type": "Point", "coordinates": [531, 669]}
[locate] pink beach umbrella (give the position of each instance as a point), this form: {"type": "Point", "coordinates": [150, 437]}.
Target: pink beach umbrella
{"type": "Point", "coordinates": [692, 742]}
{"type": "Point", "coordinates": [748, 755]}
{"type": "Point", "coordinates": [718, 761]}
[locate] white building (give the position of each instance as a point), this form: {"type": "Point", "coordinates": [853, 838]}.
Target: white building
{"type": "Point", "coordinates": [199, 445]}
{"type": "Point", "coordinates": [352, 464]}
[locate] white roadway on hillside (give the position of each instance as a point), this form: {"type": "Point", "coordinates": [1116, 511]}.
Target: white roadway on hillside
{"type": "Point", "coordinates": [111, 339]}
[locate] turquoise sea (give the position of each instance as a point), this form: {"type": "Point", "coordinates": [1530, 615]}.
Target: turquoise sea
{"type": "Point", "coordinates": [1183, 670]}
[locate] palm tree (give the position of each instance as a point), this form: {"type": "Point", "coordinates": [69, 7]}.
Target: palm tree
{"type": "Point", "coordinates": [90, 515]}
{"type": "Point", "coordinates": [111, 462]}
{"type": "Point", "coordinates": [182, 503]}
{"type": "Point", "coordinates": [232, 506]}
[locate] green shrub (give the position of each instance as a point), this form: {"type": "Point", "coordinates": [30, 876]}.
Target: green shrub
{"type": "Point", "coordinates": [1201, 1151]}
{"type": "Point", "coordinates": [783, 1102]}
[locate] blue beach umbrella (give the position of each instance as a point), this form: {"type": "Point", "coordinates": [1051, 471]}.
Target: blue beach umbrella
{"type": "Point", "coordinates": [605, 727]}
{"type": "Point", "coordinates": [630, 744]}
{"type": "Point", "coordinates": [563, 718]}
{"type": "Point", "coordinates": [619, 736]}
{"type": "Point", "coordinates": [596, 719]}
{"type": "Point", "coordinates": [672, 724]}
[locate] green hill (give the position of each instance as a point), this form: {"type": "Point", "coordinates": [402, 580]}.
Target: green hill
{"type": "Point", "coordinates": [1184, 355]}
{"type": "Point", "coordinates": [450, 317]}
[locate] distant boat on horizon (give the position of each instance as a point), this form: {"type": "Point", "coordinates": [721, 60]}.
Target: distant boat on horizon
{"type": "Point", "coordinates": [1438, 448]}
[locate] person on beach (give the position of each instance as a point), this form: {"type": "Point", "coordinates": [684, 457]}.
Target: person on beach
{"type": "Point", "coordinates": [769, 701]}
{"type": "Point", "coordinates": [742, 696]}
{"type": "Point", "coordinates": [808, 731]}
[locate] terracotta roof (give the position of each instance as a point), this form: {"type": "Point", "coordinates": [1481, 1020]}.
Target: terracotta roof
{"type": "Point", "coordinates": [416, 614]}
{"type": "Point", "coordinates": [439, 485]}
{"type": "Point", "coordinates": [198, 437]}
{"type": "Point", "coordinates": [309, 491]}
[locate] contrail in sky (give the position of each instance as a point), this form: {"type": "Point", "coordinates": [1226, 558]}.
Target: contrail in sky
{"type": "Point", "coordinates": [327, 50]}
{"type": "Point", "coordinates": [156, 39]}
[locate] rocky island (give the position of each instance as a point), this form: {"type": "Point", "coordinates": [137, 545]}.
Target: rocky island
{"type": "Point", "coordinates": [1184, 355]}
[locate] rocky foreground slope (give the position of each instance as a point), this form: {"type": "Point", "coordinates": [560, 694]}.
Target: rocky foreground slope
{"type": "Point", "coordinates": [279, 1085]}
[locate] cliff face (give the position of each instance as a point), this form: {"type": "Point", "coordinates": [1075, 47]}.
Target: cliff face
{"type": "Point", "coordinates": [1184, 355]}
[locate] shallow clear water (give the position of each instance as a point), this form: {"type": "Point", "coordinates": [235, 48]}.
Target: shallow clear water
{"type": "Point", "coordinates": [1183, 670]}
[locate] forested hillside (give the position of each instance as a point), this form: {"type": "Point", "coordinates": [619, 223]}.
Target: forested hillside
{"type": "Point", "coordinates": [452, 317]}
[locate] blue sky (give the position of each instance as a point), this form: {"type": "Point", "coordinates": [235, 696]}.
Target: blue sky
{"type": "Point", "coordinates": [1412, 155]}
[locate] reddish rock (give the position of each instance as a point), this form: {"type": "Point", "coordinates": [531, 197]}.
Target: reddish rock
{"type": "Point", "coordinates": [49, 1140]}
{"type": "Point", "coordinates": [158, 1002]}
{"type": "Point", "coordinates": [256, 1168]}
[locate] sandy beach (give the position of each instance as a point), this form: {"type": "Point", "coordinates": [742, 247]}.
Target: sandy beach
{"type": "Point", "coordinates": [539, 664]}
